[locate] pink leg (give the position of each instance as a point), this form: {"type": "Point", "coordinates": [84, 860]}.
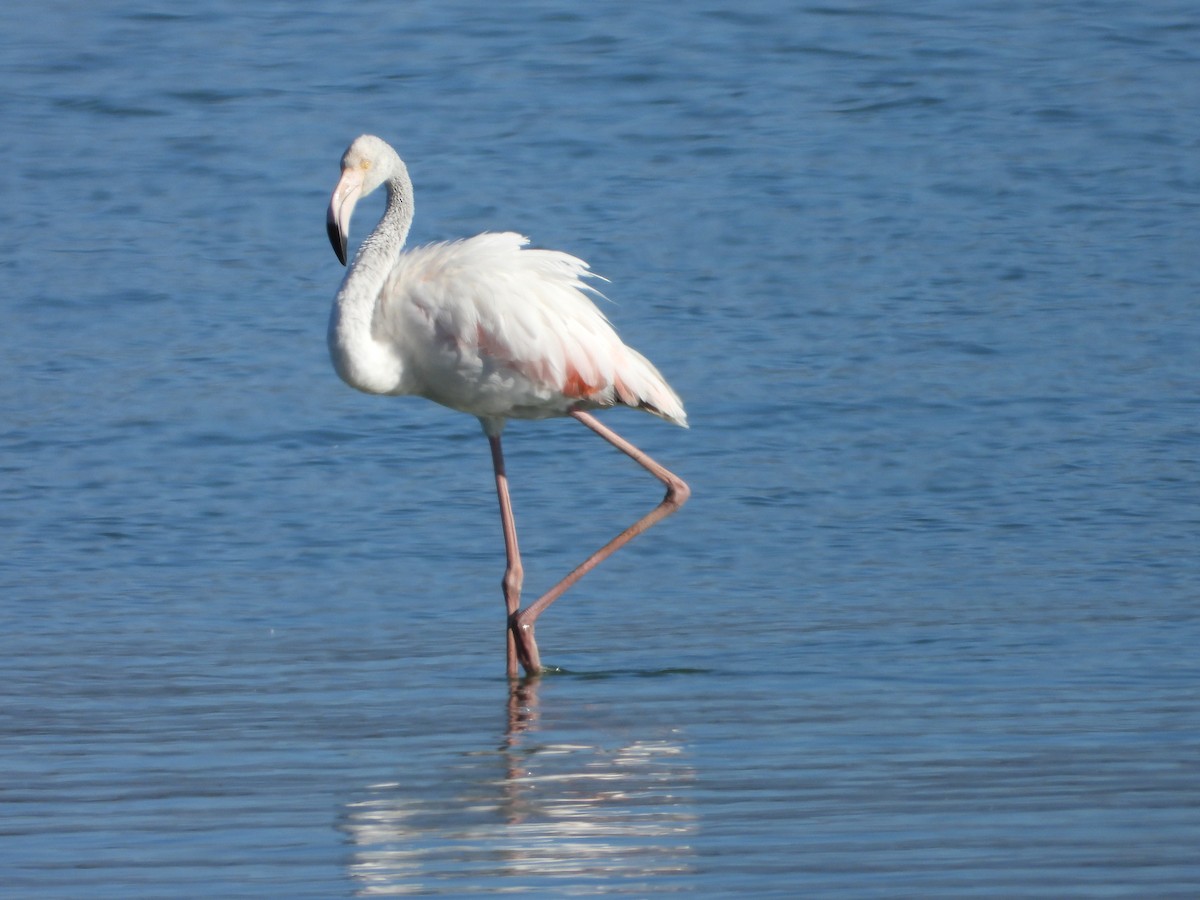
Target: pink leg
{"type": "Point", "coordinates": [521, 624]}
{"type": "Point", "coordinates": [514, 573]}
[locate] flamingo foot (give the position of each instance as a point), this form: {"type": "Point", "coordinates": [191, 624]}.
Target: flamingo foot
{"type": "Point", "coordinates": [523, 645]}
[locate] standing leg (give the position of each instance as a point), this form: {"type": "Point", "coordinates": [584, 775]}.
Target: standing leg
{"type": "Point", "coordinates": [522, 648]}
{"type": "Point", "coordinates": [514, 573]}
{"type": "Point", "coordinates": [677, 494]}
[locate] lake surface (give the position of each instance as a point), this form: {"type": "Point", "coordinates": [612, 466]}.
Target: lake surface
{"type": "Point", "coordinates": [926, 277]}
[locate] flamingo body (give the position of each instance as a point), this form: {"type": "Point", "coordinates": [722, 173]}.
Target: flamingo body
{"type": "Point", "coordinates": [488, 328]}
{"type": "Point", "coordinates": [491, 328]}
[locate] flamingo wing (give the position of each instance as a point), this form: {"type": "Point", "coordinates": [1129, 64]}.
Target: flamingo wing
{"type": "Point", "coordinates": [497, 330]}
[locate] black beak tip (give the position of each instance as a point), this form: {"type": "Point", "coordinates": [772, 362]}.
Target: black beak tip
{"type": "Point", "coordinates": [336, 239]}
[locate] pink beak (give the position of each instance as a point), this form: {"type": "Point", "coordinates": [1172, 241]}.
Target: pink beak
{"type": "Point", "coordinates": [341, 208]}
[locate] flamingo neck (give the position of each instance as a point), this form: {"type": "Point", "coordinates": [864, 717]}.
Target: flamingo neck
{"type": "Point", "coordinates": [361, 360]}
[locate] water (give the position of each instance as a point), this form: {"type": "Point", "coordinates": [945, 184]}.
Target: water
{"type": "Point", "coordinates": [926, 278]}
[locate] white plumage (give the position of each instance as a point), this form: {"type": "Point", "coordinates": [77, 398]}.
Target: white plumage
{"type": "Point", "coordinates": [492, 328]}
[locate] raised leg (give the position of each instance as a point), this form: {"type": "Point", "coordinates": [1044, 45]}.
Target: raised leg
{"type": "Point", "coordinates": [521, 622]}
{"type": "Point", "coordinates": [514, 573]}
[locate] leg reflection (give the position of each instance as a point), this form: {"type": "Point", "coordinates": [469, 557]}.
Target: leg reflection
{"type": "Point", "coordinates": [572, 793]}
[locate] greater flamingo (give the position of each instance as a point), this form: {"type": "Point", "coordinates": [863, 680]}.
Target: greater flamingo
{"type": "Point", "coordinates": [488, 328]}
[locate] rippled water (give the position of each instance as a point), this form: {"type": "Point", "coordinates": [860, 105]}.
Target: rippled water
{"type": "Point", "coordinates": [926, 278]}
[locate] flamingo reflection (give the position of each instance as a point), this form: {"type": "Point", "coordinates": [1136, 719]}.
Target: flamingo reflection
{"type": "Point", "coordinates": [533, 812]}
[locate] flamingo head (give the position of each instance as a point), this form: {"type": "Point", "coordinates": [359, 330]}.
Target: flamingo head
{"type": "Point", "coordinates": [367, 163]}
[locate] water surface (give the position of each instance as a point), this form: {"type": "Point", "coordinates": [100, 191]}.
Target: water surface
{"type": "Point", "coordinates": [926, 279]}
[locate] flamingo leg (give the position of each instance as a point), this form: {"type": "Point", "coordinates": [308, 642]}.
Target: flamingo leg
{"type": "Point", "coordinates": [521, 623]}
{"type": "Point", "coordinates": [514, 572]}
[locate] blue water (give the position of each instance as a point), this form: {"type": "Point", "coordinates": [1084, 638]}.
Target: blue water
{"type": "Point", "coordinates": [926, 276]}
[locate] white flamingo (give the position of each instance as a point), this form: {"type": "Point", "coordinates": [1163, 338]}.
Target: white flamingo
{"type": "Point", "coordinates": [488, 328]}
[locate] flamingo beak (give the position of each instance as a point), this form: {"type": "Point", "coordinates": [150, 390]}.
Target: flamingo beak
{"type": "Point", "coordinates": [341, 208]}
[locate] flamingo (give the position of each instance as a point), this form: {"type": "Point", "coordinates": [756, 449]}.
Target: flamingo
{"type": "Point", "coordinates": [486, 327]}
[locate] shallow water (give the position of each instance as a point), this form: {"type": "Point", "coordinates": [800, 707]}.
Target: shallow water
{"type": "Point", "coordinates": [927, 282]}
